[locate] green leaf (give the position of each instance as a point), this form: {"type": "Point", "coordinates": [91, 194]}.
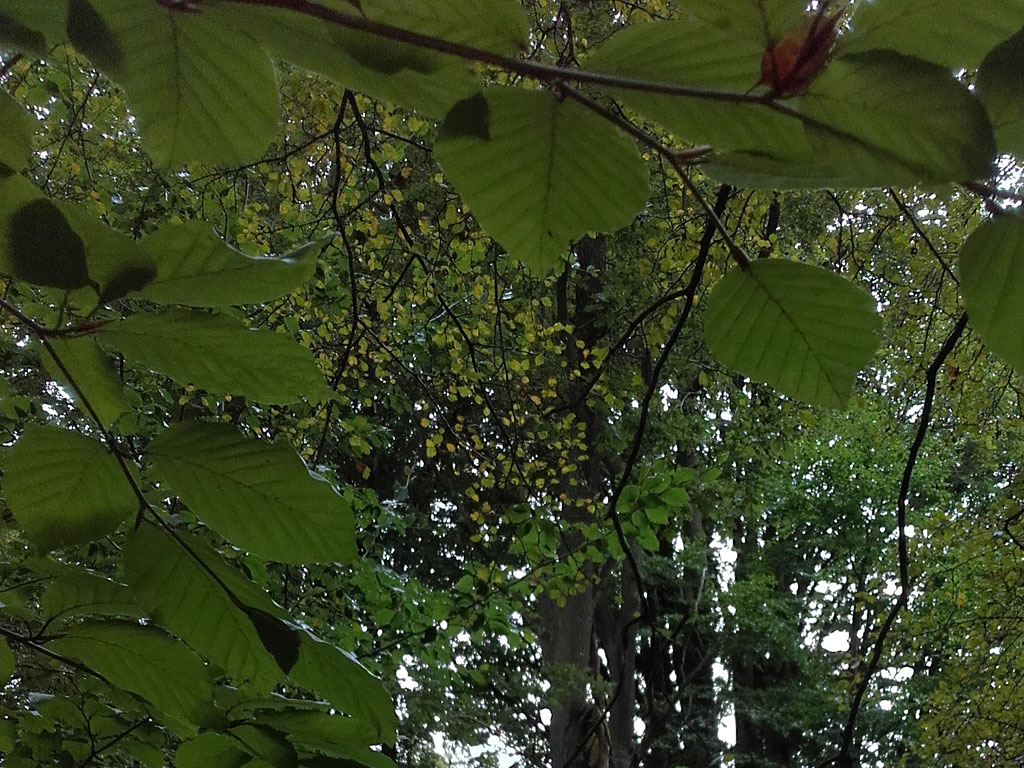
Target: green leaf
{"type": "Point", "coordinates": [426, 82]}
{"type": "Point", "coordinates": [331, 734]}
{"type": "Point", "coordinates": [115, 264]}
{"type": "Point", "coordinates": [202, 90]}
{"type": "Point", "coordinates": [65, 488]}
{"type": "Point", "coordinates": [953, 33]}
{"type": "Point", "coordinates": [991, 281]}
{"type": "Point", "coordinates": [874, 120]}
{"type": "Point", "coordinates": [884, 118]}
{"type": "Point", "coordinates": [211, 749]}
{"type": "Point", "coordinates": [715, 51]}
{"type": "Point", "coordinates": [149, 663]}
{"type": "Point", "coordinates": [258, 495]}
{"type": "Point", "coordinates": [867, 120]}
{"type": "Point", "coordinates": [676, 497]}
{"type": "Point", "coordinates": [186, 598]}
{"type": "Point", "coordinates": [539, 172]}
{"type": "Point", "coordinates": [92, 35]}
{"type": "Point", "coordinates": [95, 379]}
{"type": "Point", "coordinates": [266, 744]}
{"type": "Point", "coordinates": [16, 129]}
{"type": "Point", "coordinates": [346, 684]}
{"type": "Point", "coordinates": [79, 591]}
{"type": "Point", "coordinates": [494, 25]}
{"type": "Point", "coordinates": [6, 663]}
{"type": "Point", "coordinates": [42, 248]}
{"type": "Point", "coordinates": [656, 513]}
{"type": "Point", "coordinates": [802, 329]}
{"type": "Point", "coordinates": [1000, 85]}
{"type": "Point", "coordinates": [197, 268]}
{"type": "Point", "coordinates": [219, 354]}
{"type": "Point", "coordinates": [31, 26]}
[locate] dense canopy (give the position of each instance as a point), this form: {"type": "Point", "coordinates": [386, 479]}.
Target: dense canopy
{"type": "Point", "coordinates": [576, 384]}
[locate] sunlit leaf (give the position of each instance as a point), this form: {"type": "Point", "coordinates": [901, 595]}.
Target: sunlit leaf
{"type": "Point", "coordinates": [197, 268]}
{"type": "Point", "coordinates": [258, 495]}
{"type": "Point", "coordinates": [494, 25]}
{"type": "Point", "coordinates": [16, 136]}
{"type": "Point", "coordinates": [115, 263]}
{"type": "Point", "coordinates": [332, 734]}
{"type": "Point", "coordinates": [78, 591]}
{"type": "Point", "coordinates": [539, 172]}
{"type": "Point", "coordinates": [991, 281]}
{"type": "Point", "coordinates": [32, 26]}
{"type": "Point", "coordinates": [211, 749]}
{"type": "Point", "coordinates": [202, 91]}
{"type": "Point", "coordinates": [148, 663]}
{"type": "Point", "coordinates": [346, 684]}
{"type": "Point", "coordinates": [218, 353]}
{"type": "Point", "coordinates": [92, 371]}
{"type": "Point", "coordinates": [802, 329]}
{"type": "Point", "coordinates": [1000, 85]}
{"type": "Point", "coordinates": [65, 488]}
{"type": "Point", "coordinates": [870, 120]}
{"type": "Point", "coordinates": [190, 601]}
{"type": "Point", "coordinates": [403, 74]}
{"type": "Point", "coordinates": [954, 33]}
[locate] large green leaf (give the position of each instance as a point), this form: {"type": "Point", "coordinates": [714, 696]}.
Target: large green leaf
{"type": "Point", "coordinates": [149, 663]}
{"type": "Point", "coordinates": [346, 684]}
{"type": "Point", "coordinates": [197, 268]}
{"type": "Point", "coordinates": [873, 120]}
{"type": "Point", "coordinates": [218, 353]}
{"type": "Point", "coordinates": [333, 735]}
{"type": "Point", "coordinates": [992, 281]}
{"type": "Point", "coordinates": [202, 90]}
{"type": "Point", "coordinates": [62, 245]}
{"type": "Point", "coordinates": [32, 26]}
{"type": "Point", "coordinates": [114, 262]}
{"type": "Point", "coordinates": [191, 602]}
{"type": "Point", "coordinates": [267, 744]}
{"type": "Point", "coordinates": [78, 591]}
{"type": "Point", "coordinates": [211, 750]}
{"type": "Point", "coordinates": [92, 371]}
{"type": "Point", "coordinates": [883, 118]}
{"type": "Point", "coordinates": [867, 120]}
{"type": "Point", "coordinates": [539, 172]}
{"type": "Point", "coordinates": [800, 328]}
{"type": "Point", "coordinates": [16, 128]}
{"type": "Point", "coordinates": [494, 25]}
{"type": "Point", "coordinates": [1000, 85]}
{"type": "Point", "coordinates": [400, 73]}
{"type": "Point", "coordinates": [65, 488]}
{"type": "Point", "coordinates": [711, 51]}
{"type": "Point", "coordinates": [258, 495]}
{"type": "Point", "coordinates": [954, 33]}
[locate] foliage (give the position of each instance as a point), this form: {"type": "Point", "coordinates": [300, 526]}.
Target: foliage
{"type": "Point", "coordinates": [491, 467]}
